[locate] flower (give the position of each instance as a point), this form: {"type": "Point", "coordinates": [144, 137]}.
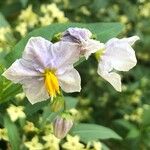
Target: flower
{"type": "Point", "coordinates": [29, 127]}
{"type": "Point", "coordinates": [20, 96]}
{"type": "Point", "coordinates": [118, 55]}
{"type": "Point", "coordinates": [51, 142]}
{"type": "Point", "coordinates": [5, 38]}
{"type": "Point", "coordinates": [51, 13]}
{"type": "Point", "coordinates": [3, 134]}
{"type": "Point", "coordinates": [44, 68]}
{"type": "Point", "coordinates": [15, 112]}
{"type": "Point", "coordinates": [93, 145]}
{"type": "Point", "coordinates": [29, 17]}
{"type": "Point", "coordinates": [22, 28]}
{"type": "Point", "coordinates": [97, 145]}
{"type": "Point", "coordinates": [82, 37]}
{"type": "Point", "coordinates": [34, 144]}
{"type": "Point", "coordinates": [73, 143]}
{"type": "Point", "coordinates": [45, 20]}
{"type": "Point", "coordinates": [3, 33]}
{"type": "Point", "coordinates": [62, 125]}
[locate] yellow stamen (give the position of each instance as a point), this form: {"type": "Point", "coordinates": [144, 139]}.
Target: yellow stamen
{"type": "Point", "coordinates": [99, 54]}
{"type": "Point", "coordinates": [51, 83]}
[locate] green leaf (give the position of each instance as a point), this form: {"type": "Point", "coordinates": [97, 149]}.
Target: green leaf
{"type": "Point", "coordinates": [11, 9]}
{"type": "Point", "coordinates": [24, 2]}
{"type": "Point", "coordinates": [134, 133]}
{"type": "Point", "coordinates": [75, 5]}
{"type": "Point", "coordinates": [125, 124]}
{"type": "Point", "coordinates": [9, 92]}
{"type": "Point", "coordinates": [98, 4]}
{"type": "Point", "coordinates": [103, 31]}
{"type": "Point", "coordinates": [105, 147]}
{"type": "Point", "coordinates": [71, 102]}
{"type": "Point", "coordinates": [13, 133]}
{"type": "Point", "coordinates": [3, 21]}
{"type": "Point", "coordinates": [31, 109]}
{"type": "Point", "coordinates": [90, 132]}
{"type": "Point", "coordinates": [146, 117]}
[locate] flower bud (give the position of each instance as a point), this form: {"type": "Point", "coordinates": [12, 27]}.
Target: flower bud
{"type": "Point", "coordinates": [57, 37]}
{"type": "Point", "coordinates": [62, 125]}
{"type": "Point", "coordinates": [57, 104]}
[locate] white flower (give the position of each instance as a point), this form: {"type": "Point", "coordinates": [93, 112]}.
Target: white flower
{"type": "Point", "coordinates": [44, 68]}
{"type": "Point", "coordinates": [82, 37]}
{"type": "Point", "coordinates": [118, 55]}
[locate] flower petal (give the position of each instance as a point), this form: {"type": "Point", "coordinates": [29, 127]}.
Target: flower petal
{"type": "Point", "coordinates": [91, 46]}
{"type": "Point", "coordinates": [76, 34]}
{"type": "Point", "coordinates": [131, 40]}
{"type": "Point", "coordinates": [65, 53]}
{"type": "Point", "coordinates": [82, 37]}
{"type": "Point", "coordinates": [104, 70]}
{"type": "Point", "coordinates": [35, 90]}
{"type": "Point", "coordinates": [114, 79]}
{"type": "Point", "coordinates": [70, 81]}
{"type": "Point", "coordinates": [121, 54]}
{"type": "Point", "coordinates": [38, 51]}
{"type": "Point", "coordinates": [18, 72]}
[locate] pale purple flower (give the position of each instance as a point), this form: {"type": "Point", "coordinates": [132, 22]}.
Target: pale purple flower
{"type": "Point", "coordinates": [118, 56]}
{"type": "Point", "coordinates": [44, 68]}
{"type": "Point", "coordinates": [82, 37]}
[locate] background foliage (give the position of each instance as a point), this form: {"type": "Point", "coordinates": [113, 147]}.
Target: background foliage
{"type": "Point", "coordinates": [127, 113]}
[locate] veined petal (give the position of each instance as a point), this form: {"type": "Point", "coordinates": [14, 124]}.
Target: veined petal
{"type": "Point", "coordinates": [114, 79]}
{"type": "Point", "coordinates": [38, 51]}
{"type": "Point", "coordinates": [121, 54]}
{"type": "Point", "coordinates": [105, 71]}
{"type": "Point", "coordinates": [92, 46]}
{"type": "Point", "coordinates": [70, 81]}
{"type": "Point", "coordinates": [76, 34]}
{"type": "Point", "coordinates": [35, 90]}
{"type": "Point", "coordinates": [18, 72]}
{"type": "Point", "coordinates": [82, 37]}
{"type": "Point", "coordinates": [65, 53]}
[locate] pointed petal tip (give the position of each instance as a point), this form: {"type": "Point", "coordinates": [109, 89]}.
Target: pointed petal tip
{"type": "Point", "coordinates": [119, 89]}
{"type": "Point", "coordinates": [32, 102]}
{"type": "Point", "coordinates": [6, 74]}
{"type": "Point", "coordinates": [79, 90]}
{"type": "Point", "coordinates": [3, 74]}
{"type": "Point", "coordinates": [136, 37]}
{"type": "Point", "coordinates": [133, 39]}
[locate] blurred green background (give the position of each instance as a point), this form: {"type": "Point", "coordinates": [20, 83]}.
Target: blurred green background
{"type": "Point", "coordinates": [128, 112]}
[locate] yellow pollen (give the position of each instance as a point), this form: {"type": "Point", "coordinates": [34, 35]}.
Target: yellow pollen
{"type": "Point", "coordinates": [51, 83]}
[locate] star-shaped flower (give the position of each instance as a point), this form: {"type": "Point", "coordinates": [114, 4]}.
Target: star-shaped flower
{"type": "Point", "coordinates": [44, 68]}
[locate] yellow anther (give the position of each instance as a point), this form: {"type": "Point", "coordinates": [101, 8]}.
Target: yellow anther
{"type": "Point", "coordinates": [99, 54]}
{"type": "Point", "coordinates": [51, 83]}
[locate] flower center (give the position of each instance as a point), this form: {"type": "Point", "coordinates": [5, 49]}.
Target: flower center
{"type": "Point", "coordinates": [99, 53]}
{"type": "Point", "coordinates": [51, 82]}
